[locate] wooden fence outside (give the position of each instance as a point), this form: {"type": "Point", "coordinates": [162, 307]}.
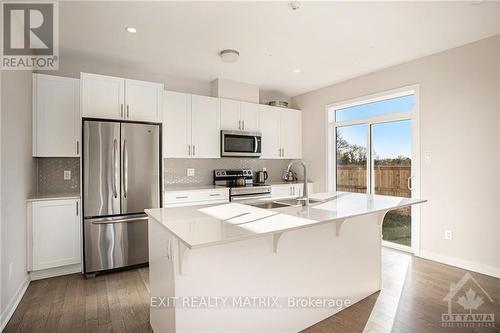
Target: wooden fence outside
{"type": "Point", "coordinates": [389, 180]}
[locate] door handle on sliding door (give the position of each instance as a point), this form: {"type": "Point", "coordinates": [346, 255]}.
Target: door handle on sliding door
{"type": "Point", "coordinates": [125, 169]}
{"type": "Point", "coordinates": [115, 169]}
{"type": "Point", "coordinates": [408, 183]}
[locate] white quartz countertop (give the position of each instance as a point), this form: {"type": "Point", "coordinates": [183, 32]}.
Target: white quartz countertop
{"type": "Point", "coordinates": [198, 187]}
{"type": "Point", "coordinates": [208, 225]}
{"type": "Point", "coordinates": [59, 196]}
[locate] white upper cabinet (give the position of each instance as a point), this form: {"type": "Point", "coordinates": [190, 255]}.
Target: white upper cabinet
{"type": "Point", "coordinates": [176, 125]}
{"type": "Point", "coordinates": [143, 100]}
{"type": "Point", "coordinates": [117, 98]}
{"type": "Point", "coordinates": [270, 128]}
{"type": "Point", "coordinates": [291, 133]}
{"type": "Point", "coordinates": [239, 116]}
{"type": "Point", "coordinates": [205, 127]}
{"type": "Point", "coordinates": [56, 116]}
{"type": "Point", "coordinates": [281, 132]}
{"type": "Point", "coordinates": [191, 126]}
{"type": "Point", "coordinates": [102, 96]}
{"type": "Point", "coordinates": [250, 116]}
{"type": "Point", "coordinates": [230, 115]}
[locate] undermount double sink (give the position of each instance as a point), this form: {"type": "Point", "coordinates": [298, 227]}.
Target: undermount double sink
{"type": "Point", "coordinates": [280, 203]}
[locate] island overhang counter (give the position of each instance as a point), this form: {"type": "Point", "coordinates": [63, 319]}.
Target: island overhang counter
{"type": "Point", "coordinates": [238, 268]}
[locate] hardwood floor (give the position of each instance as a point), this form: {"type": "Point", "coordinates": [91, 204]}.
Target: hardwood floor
{"type": "Point", "coordinates": [411, 300]}
{"type": "Point", "coordinates": [116, 302]}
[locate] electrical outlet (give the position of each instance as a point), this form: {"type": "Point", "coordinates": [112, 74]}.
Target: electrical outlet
{"type": "Point", "coordinates": [427, 157]}
{"type": "Point", "coordinates": [264, 169]}
{"type": "Point", "coordinates": [67, 174]}
{"type": "Point", "coordinates": [190, 172]}
{"type": "Point", "coordinates": [448, 235]}
{"type": "Point", "coordinates": [11, 269]}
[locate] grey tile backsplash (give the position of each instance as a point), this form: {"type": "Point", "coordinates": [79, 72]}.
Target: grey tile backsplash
{"type": "Point", "coordinates": [175, 169]}
{"type": "Point", "coordinates": [50, 171]}
{"type": "Point", "coordinates": [50, 174]}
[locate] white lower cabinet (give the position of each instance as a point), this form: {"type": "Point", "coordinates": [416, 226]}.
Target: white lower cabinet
{"type": "Point", "coordinates": [289, 190]}
{"type": "Point", "coordinates": [196, 197]}
{"type": "Point", "coordinates": [54, 236]}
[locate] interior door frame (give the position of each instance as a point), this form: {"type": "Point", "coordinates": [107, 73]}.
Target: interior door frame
{"type": "Point", "coordinates": [413, 116]}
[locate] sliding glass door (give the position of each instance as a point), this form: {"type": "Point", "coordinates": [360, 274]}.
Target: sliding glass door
{"type": "Point", "coordinates": [351, 156]}
{"type": "Point", "coordinates": [375, 152]}
{"type": "Point", "coordinates": [391, 174]}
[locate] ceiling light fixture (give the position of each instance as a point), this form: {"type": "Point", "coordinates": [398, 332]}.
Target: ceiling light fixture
{"type": "Point", "coordinates": [296, 70]}
{"type": "Point", "coordinates": [294, 5]}
{"type": "Point", "coordinates": [132, 30]}
{"type": "Point", "coordinates": [229, 55]}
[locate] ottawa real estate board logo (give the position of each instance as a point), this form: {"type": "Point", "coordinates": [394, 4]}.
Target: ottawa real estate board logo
{"type": "Point", "coordinates": [30, 38]}
{"type": "Point", "coordinates": [465, 300]}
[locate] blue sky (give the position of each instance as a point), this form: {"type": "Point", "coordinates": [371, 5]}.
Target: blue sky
{"type": "Point", "coordinates": [388, 139]}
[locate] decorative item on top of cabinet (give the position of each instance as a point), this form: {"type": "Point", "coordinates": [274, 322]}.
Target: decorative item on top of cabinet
{"type": "Point", "coordinates": [281, 132]}
{"type": "Point", "coordinates": [56, 116]}
{"type": "Point", "coordinates": [54, 241]}
{"type": "Point", "coordinates": [117, 98]}
{"type": "Point", "coordinates": [191, 126]}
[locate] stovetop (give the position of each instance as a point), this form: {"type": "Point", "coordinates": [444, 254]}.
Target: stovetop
{"type": "Point", "coordinates": [228, 178]}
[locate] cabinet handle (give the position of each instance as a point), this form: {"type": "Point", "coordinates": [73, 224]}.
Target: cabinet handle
{"type": "Point", "coordinates": [194, 150]}
{"type": "Point", "coordinates": [239, 124]}
{"type": "Point", "coordinates": [121, 110]}
{"type": "Point", "coordinates": [77, 147]}
{"type": "Point", "coordinates": [243, 122]}
{"type": "Point", "coordinates": [215, 194]}
{"type": "Point", "coordinates": [189, 150]}
{"type": "Point", "coordinates": [182, 197]}
{"type": "Point", "coordinates": [283, 149]}
{"type": "Point", "coordinates": [77, 208]}
{"type": "Point", "coordinates": [127, 111]}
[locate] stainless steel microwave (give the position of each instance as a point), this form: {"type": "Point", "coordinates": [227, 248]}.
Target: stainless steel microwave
{"type": "Point", "coordinates": [241, 144]}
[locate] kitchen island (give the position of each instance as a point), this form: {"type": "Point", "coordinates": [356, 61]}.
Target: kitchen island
{"type": "Point", "coordinates": [238, 267]}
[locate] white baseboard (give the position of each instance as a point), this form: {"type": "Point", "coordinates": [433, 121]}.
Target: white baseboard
{"type": "Point", "coordinates": [57, 271]}
{"type": "Point", "coordinates": [461, 263]}
{"type": "Point", "coordinates": [14, 302]}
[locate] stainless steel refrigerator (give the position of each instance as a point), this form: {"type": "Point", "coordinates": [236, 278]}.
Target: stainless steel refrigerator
{"type": "Point", "coordinates": [121, 178]}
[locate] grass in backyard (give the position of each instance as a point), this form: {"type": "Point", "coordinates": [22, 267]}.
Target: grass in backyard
{"type": "Point", "coordinates": [397, 228]}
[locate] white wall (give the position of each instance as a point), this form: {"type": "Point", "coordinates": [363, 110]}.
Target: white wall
{"type": "Point", "coordinates": [17, 179]}
{"type": "Point", "coordinates": [460, 125]}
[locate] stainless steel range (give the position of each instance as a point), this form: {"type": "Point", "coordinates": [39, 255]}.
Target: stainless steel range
{"type": "Point", "coordinates": [241, 184]}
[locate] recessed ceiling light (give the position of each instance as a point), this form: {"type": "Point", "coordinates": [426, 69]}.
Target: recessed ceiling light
{"type": "Point", "coordinates": [296, 70]}
{"type": "Point", "coordinates": [132, 30]}
{"type": "Point", "coordinates": [229, 55]}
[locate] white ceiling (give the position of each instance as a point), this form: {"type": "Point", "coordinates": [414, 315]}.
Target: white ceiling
{"type": "Point", "coordinates": [328, 41]}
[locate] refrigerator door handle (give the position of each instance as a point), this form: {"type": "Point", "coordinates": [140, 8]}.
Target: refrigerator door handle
{"type": "Point", "coordinates": [125, 168]}
{"type": "Point", "coordinates": [126, 220]}
{"type": "Point", "coordinates": [115, 169]}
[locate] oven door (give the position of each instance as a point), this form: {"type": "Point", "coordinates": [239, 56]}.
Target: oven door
{"type": "Point", "coordinates": [249, 196]}
{"type": "Point", "coordinates": [241, 144]}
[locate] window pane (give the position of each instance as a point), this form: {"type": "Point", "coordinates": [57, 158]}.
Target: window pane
{"type": "Point", "coordinates": [391, 145]}
{"type": "Point", "coordinates": [351, 158]}
{"type": "Point", "coordinates": [393, 105]}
